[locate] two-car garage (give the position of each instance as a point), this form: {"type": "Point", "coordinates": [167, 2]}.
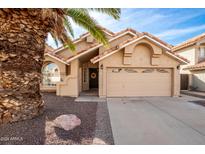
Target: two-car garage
{"type": "Point", "coordinates": [130, 82]}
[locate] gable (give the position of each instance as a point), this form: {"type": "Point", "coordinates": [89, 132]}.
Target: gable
{"type": "Point", "coordinates": [54, 59]}
{"type": "Point", "coordinates": [153, 43]}
{"type": "Point", "coordinates": [142, 56]}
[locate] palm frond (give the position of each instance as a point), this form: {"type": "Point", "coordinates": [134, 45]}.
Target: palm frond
{"type": "Point", "coordinates": [62, 30]}
{"type": "Point", "coordinates": [83, 19]}
{"type": "Point", "coordinates": [113, 12]}
{"type": "Point", "coordinates": [68, 26]}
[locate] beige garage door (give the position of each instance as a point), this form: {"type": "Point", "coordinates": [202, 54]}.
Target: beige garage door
{"type": "Point", "coordinates": [138, 82]}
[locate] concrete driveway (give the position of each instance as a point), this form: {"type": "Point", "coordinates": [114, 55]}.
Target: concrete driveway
{"type": "Point", "coordinates": [157, 120]}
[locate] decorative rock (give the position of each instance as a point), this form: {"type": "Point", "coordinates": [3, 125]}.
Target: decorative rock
{"type": "Point", "coordinates": [67, 122]}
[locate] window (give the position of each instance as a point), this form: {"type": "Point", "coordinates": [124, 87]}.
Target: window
{"type": "Point", "coordinates": [85, 75]}
{"type": "Point", "coordinates": [202, 53]}
{"type": "Point", "coordinates": [51, 75]}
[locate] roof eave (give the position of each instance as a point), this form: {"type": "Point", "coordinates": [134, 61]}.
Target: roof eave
{"type": "Point", "coordinates": [58, 59]}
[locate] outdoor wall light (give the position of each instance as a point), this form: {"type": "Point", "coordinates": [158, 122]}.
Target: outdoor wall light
{"type": "Point", "coordinates": [101, 66]}
{"type": "Point", "coordinates": [178, 67]}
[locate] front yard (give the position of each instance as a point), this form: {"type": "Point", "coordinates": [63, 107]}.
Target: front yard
{"type": "Point", "coordinates": [94, 129]}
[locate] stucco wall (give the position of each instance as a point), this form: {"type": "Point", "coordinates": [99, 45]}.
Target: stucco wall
{"type": "Point", "coordinates": [189, 54]}
{"type": "Point", "coordinates": [70, 86]}
{"type": "Point", "coordinates": [62, 69]}
{"type": "Point", "coordinates": [198, 80]}
{"type": "Point", "coordinates": [60, 65]}
{"type": "Point", "coordinates": [140, 58]}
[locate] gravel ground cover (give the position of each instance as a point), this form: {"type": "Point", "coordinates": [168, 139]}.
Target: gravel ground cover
{"type": "Point", "coordinates": [40, 130]}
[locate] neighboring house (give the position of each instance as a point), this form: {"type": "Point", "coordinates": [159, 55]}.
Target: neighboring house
{"type": "Point", "coordinates": [134, 64]}
{"type": "Point", "coordinates": [193, 74]}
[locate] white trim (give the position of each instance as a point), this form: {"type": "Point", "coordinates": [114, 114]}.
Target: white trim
{"type": "Point", "coordinates": [135, 40]}
{"type": "Point", "coordinates": [160, 44]}
{"type": "Point", "coordinates": [112, 39]}
{"type": "Point", "coordinates": [144, 36]}
{"type": "Point", "coordinates": [47, 54]}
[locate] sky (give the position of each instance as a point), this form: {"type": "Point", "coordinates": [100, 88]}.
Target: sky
{"type": "Point", "coordinates": [171, 25]}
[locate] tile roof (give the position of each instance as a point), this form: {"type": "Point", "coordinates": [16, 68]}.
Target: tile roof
{"type": "Point", "coordinates": [50, 51]}
{"type": "Point", "coordinates": [189, 42]}
{"type": "Point", "coordinates": [96, 43]}
{"type": "Point", "coordinates": [57, 56]}
{"type": "Point", "coordinates": [118, 47]}
{"type": "Point", "coordinates": [199, 66]}
{"type": "Point", "coordinates": [48, 48]}
{"type": "Point", "coordinates": [105, 53]}
{"type": "Point", "coordinates": [149, 35]}
{"type": "Point", "coordinates": [127, 30]}
{"type": "Point", "coordinates": [83, 50]}
{"type": "Point", "coordinates": [157, 39]}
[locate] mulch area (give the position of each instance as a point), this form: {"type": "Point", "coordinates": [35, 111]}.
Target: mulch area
{"type": "Point", "coordinates": [40, 130]}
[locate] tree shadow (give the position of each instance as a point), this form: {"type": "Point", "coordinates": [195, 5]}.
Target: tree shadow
{"type": "Point", "coordinates": [199, 102]}
{"type": "Point", "coordinates": [37, 131]}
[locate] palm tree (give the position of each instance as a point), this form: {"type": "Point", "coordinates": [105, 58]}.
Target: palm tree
{"type": "Point", "coordinates": [22, 42]}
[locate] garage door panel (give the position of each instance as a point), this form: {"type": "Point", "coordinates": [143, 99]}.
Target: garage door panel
{"type": "Point", "coordinates": [154, 82]}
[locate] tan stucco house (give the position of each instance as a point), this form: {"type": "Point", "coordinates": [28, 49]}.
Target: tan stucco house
{"type": "Point", "coordinates": [193, 74]}
{"type": "Point", "coordinates": [134, 64]}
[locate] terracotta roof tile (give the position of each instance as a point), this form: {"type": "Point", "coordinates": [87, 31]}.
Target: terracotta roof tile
{"type": "Point", "coordinates": [48, 48]}
{"type": "Point", "coordinates": [147, 34]}
{"type": "Point", "coordinates": [127, 30]}
{"type": "Point", "coordinates": [114, 35]}
{"type": "Point", "coordinates": [96, 43]}
{"type": "Point", "coordinates": [157, 39]}
{"type": "Point", "coordinates": [50, 51]}
{"type": "Point", "coordinates": [105, 53]}
{"type": "Point", "coordinates": [189, 42]}
{"type": "Point", "coordinates": [132, 39]}
{"type": "Point", "coordinates": [107, 30]}
{"type": "Point", "coordinates": [83, 50]}
{"type": "Point", "coordinates": [198, 66]}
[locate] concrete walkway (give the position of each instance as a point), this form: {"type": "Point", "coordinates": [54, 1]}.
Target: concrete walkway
{"type": "Point", "coordinates": [157, 120]}
{"type": "Point", "coordinates": [90, 99]}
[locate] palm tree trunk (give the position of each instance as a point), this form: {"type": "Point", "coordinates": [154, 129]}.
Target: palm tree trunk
{"type": "Point", "coordinates": [22, 43]}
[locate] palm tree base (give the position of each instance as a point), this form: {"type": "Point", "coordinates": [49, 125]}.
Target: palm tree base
{"type": "Point", "coordinates": [13, 110]}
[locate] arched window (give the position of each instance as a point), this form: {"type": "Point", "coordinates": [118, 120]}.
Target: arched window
{"type": "Point", "coordinates": [51, 74]}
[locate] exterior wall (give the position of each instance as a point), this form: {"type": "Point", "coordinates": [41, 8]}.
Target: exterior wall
{"type": "Point", "coordinates": [62, 68]}
{"type": "Point", "coordinates": [189, 54]}
{"type": "Point", "coordinates": [70, 86]}
{"type": "Point", "coordinates": [140, 58]}
{"type": "Point", "coordinates": [198, 80]}
{"type": "Point", "coordinates": [60, 65]}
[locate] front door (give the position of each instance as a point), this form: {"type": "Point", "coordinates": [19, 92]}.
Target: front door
{"type": "Point", "coordinates": [93, 78]}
